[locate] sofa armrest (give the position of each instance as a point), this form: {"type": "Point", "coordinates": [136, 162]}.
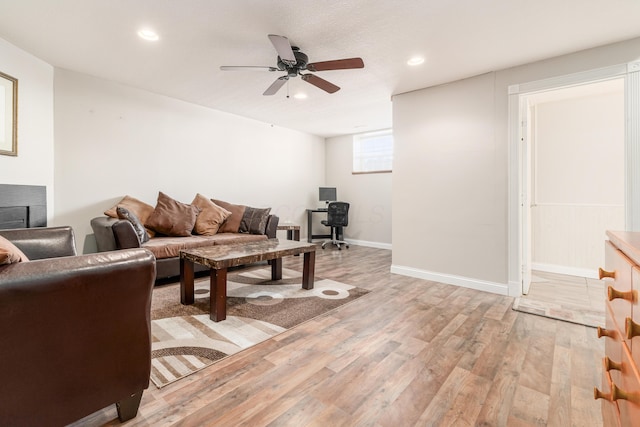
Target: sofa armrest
{"type": "Point", "coordinates": [102, 231]}
{"type": "Point", "coordinates": [112, 234]}
{"type": "Point", "coordinates": [125, 235]}
{"type": "Point", "coordinates": [76, 335]}
{"type": "Point", "coordinates": [272, 226]}
{"type": "Point", "coordinates": [42, 242]}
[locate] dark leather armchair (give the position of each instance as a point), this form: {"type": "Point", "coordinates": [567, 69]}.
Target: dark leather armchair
{"type": "Point", "coordinates": [337, 218]}
{"type": "Point", "coordinates": [75, 330]}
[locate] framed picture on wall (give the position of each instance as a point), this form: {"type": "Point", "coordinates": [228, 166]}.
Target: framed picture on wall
{"type": "Point", "coordinates": [8, 115]}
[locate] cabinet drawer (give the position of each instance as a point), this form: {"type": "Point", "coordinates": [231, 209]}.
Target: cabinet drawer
{"type": "Point", "coordinates": [613, 342]}
{"type": "Point", "coordinates": [619, 286]}
{"type": "Point", "coordinates": [629, 384]}
{"type": "Point", "coordinates": [610, 410]}
{"type": "Point", "coordinates": [635, 315]}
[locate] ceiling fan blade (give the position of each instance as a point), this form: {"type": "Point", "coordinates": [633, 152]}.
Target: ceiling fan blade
{"type": "Point", "coordinates": [283, 47]}
{"type": "Point", "coordinates": [246, 68]}
{"type": "Point", "coordinates": [275, 86]}
{"type": "Point", "coordinates": [320, 83]}
{"type": "Point", "coordinates": [338, 64]}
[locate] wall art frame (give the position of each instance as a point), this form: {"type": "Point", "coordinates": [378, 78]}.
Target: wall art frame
{"type": "Point", "coordinates": [8, 115]}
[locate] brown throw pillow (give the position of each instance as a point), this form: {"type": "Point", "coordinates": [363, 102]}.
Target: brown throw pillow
{"type": "Point", "coordinates": [232, 224]}
{"type": "Point", "coordinates": [171, 217]}
{"type": "Point", "coordinates": [124, 213]}
{"type": "Point", "coordinates": [211, 216]}
{"type": "Point", "coordinates": [9, 253]}
{"type": "Point", "coordinates": [254, 220]}
{"type": "Point", "coordinates": [140, 209]}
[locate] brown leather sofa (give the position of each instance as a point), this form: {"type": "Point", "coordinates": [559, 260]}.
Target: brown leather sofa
{"type": "Point", "coordinates": [112, 234]}
{"type": "Point", "coordinates": [75, 331]}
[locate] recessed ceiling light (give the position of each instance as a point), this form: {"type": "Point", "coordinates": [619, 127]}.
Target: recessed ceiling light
{"type": "Point", "coordinates": [416, 60]}
{"type": "Point", "coordinates": [148, 34]}
{"type": "Point", "coordinates": [300, 95]}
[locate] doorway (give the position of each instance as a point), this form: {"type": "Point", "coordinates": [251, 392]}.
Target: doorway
{"type": "Point", "coordinates": [520, 247]}
{"type": "Point", "coordinates": [575, 166]}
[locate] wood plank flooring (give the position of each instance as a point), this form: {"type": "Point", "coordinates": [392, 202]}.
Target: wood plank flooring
{"type": "Point", "coordinates": [410, 353]}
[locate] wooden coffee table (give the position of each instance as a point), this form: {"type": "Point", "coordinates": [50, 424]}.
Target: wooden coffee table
{"type": "Point", "coordinates": [220, 258]}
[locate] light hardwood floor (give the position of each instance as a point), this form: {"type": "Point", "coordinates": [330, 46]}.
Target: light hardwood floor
{"type": "Point", "coordinates": [412, 352]}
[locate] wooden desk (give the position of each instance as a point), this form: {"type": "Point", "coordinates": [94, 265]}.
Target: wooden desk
{"type": "Point", "coordinates": [219, 258]}
{"type": "Point", "coordinates": [310, 235]}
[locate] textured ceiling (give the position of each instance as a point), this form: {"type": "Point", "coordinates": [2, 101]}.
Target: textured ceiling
{"type": "Point", "coordinates": [458, 38]}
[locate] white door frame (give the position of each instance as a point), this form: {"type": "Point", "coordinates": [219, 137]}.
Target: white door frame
{"type": "Point", "coordinates": [518, 205]}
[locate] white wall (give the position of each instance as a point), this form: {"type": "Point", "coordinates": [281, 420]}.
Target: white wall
{"type": "Point", "coordinates": [449, 182]}
{"type": "Point", "coordinates": [34, 163]}
{"type": "Point", "coordinates": [368, 194]}
{"type": "Point", "coordinates": [578, 176]}
{"type": "Point", "coordinates": [113, 140]}
{"type": "Point", "coordinates": [450, 185]}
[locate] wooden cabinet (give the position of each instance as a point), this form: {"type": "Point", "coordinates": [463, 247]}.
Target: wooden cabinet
{"type": "Point", "coordinates": [620, 389]}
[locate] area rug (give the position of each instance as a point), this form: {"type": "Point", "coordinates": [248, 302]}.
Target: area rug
{"type": "Point", "coordinates": [564, 312]}
{"type": "Point", "coordinates": [185, 340]}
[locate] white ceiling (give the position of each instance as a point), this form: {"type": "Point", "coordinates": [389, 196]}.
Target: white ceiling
{"type": "Point", "coordinates": [458, 38]}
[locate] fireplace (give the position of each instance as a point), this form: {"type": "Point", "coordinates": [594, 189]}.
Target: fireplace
{"type": "Point", "coordinates": [23, 206]}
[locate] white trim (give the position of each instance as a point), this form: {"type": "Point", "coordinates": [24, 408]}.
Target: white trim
{"type": "Point", "coordinates": [449, 279]}
{"type": "Point", "coordinates": [563, 269]}
{"type": "Point", "coordinates": [578, 205]}
{"type": "Point", "coordinates": [575, 79]}
{"type": "Point", "coordinates": [515, 289]}
{"type": "Point", "coordinates": [632, 147]}
{"type": "Point", "coordinates": [378, 245]}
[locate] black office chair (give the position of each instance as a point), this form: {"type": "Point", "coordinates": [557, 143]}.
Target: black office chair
{"type": "Point", "coordinates": [337, 217]}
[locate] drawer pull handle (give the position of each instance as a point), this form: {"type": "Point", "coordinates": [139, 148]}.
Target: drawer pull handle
{"type": "Point", "coordinates": [597, 394]}
{"type": "Point", "coordinates": [610, 365]}
{"type": "Point", "coordinates": [602, 332]}
{"type": "Point", "coordinates": [604, 273]}
{"type": "Point", "coordinates": [631, 296]}
{"type": "Point", "coordinates": [631, 328]}
{"type": "Point", "coordinates": [619, 394]}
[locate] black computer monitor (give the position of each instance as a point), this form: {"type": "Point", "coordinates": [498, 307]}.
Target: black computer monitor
{"type": "Point", "coordinates": [327, 194]}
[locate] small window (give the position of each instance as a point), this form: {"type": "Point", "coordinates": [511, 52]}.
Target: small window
{"type": "Point", "coordinates": [373, 152]}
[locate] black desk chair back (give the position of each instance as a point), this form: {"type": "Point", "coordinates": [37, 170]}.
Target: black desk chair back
{"type": "Point", "coordinates": [337, 218]}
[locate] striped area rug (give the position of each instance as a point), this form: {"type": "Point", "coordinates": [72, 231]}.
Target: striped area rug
{"type": "Point", "coordinates": [185, 340]}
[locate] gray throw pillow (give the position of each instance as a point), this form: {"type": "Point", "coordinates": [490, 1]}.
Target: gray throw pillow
{"type": "Point", "coordinates": [254, 220]}
{"type": "Point", "coordinates": [126, 214]}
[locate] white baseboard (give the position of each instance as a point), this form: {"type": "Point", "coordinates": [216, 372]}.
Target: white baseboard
{"type": "Point", "coordinates": [369, 244]}
{"type": "Point", "coordinates": [465, 282]}
{"type": "Point", "coordinates": [562, 269]}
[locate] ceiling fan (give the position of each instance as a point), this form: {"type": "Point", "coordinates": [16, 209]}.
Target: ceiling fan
{"type": "Point", "coordinates": [294, 62]}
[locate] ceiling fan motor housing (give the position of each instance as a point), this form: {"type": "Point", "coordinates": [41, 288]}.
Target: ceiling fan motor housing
{"type": "Point", "coordinates": [301, 63]}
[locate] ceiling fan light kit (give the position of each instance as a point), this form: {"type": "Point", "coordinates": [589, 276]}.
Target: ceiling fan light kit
{"type": "Point", "coordinates": [294, 62]}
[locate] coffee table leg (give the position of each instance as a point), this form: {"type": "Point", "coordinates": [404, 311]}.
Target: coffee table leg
{"type": "Point", "coordinates": [308, 270]}
{"type": "Point", "coordinates": [186, 282]}
{"type": "Point", "coordinates": [218, 299]}
{"type": "Point", "coordinates": [276, 269]}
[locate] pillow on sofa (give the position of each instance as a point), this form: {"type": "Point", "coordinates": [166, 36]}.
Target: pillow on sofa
{"type": "Point", "coordinates": [9, 253]}
{"type": "Point", "coordinates": [211, 216]}
{"type": "Point", "coordinates": [139, 208]}
{"type": "Point", "coordinates": [171, 217]}
{"type": "Point", "coordinates": [232, 224]}
{"type": "Point", "coordinates": [124, 213]}
{"type": "Point", "coordinates": [254, 220]}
